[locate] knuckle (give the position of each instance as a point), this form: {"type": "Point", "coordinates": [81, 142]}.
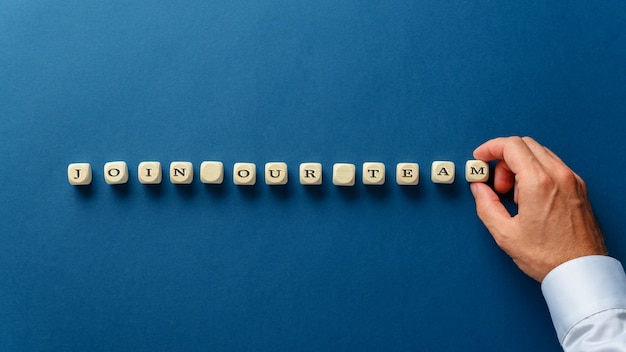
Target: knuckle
{"type": "Point", "coordinates": [581, 184]}
{"type": "Point", "coordinates": [517, 140]}
{"type": "Point", "coordinates": [568, 178]}
{"type": "Point", "coordinates": [544, 181]}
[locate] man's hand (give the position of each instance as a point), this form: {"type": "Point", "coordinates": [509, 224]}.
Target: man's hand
{"type": "Point", "coordinates": [554, 222]}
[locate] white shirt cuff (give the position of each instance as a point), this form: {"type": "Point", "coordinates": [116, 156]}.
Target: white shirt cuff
{"type": "Point", "coordinates": [582, 287]}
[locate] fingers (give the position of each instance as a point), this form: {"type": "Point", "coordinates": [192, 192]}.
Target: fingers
{"type": "Point", "coordinates": [503, 179]}
{"type": "Point", "coordinates": [553, 165]}
{"type": "Point", "coordinates": [578, 178]}
{"type": "Point", "coordinates": [515, 157]}
{"type": "Point", "coordinates": [513, 150]}
{"type": "Point", "coordinates": [547, 159]}
{"type": "Point", "coordinates": [554, 221]}
{"type": "Point", "coordinates": [554, 155]}
{"type": "Point", "coordinates": [490, 210]}
{"type": "Point", "coordinates": [520, 156]}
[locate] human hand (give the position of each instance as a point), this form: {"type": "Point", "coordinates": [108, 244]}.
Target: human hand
{"type": "Point", "coordinates": [554, 222]}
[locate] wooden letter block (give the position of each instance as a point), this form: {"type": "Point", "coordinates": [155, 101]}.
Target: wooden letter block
{"type": "Point", "coordinates": [373, 173]}
{"type": "Point", "coordinates": [442, 172]}
{"type": "Point", "coordinates": [181, 172]}
{"type": "Point", "coordinates": [344, 174]}
{"type": "Point", "coordinates": [476, 171]}
{"type": "Point", "coordinates": [212, 172]}
{"type": "Point", "coordinates": [116, 172]}
{"type": "Point", "coordinates": [276, 173]}
{"type": "Point", "coordinates": [149, 172]}
{"type": "Point", "coordinates": [244, 174]}
{"type": "Point", "coordinates": [407, 174]}
{"type": "Point", "coordinates": [311, 174]}
{"type": "Point", "coordinates": [79, 174]}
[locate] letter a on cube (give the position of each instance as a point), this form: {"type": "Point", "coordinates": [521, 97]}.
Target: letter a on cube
{"type": "Point", "coordinates": [442, 172]}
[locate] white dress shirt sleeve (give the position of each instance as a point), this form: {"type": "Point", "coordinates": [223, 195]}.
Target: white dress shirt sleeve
{"type": "Point", "coordinates": [587, 302]}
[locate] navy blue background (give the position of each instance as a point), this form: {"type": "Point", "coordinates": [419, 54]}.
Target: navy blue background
{"type": "Point", "coordinates": [293, 268]}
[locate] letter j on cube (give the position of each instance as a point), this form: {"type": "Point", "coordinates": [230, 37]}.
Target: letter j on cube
{"type": "Point", "coordinates": [79, 174]}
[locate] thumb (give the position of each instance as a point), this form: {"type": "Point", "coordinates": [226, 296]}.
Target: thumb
{"type": "Point", "coordinates": [490, 209]}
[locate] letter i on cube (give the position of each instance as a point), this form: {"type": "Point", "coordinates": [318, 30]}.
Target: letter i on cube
{"type": "Point", "coordinates": [149, 172]}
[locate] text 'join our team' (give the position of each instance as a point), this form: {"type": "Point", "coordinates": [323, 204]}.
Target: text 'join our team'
{"type": "Point", "coordinates": [276, 173]}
